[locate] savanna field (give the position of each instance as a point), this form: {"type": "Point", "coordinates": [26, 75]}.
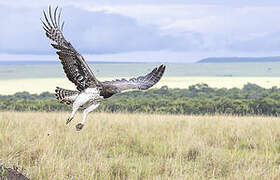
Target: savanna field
{"type": "Point", "coordinates": [38, 78]}
{"type": "Point", "coordinates": [161, 90]}
{"type": "Point", "coordinates": [140, 146]}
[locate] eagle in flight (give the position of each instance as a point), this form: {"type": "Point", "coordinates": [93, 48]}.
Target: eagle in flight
{"type": "Point", "coordinates": [90, 91]}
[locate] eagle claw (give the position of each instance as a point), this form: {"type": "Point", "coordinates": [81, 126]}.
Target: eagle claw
{"type": "Point", "coordinates": [79, 126]}
{"type": "Point", "coordinates": [68, 120]}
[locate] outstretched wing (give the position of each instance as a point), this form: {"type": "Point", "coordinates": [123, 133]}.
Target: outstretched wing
{"type": "Point", "coordinates": [141, 82]}
{"type": "Point", "coordinates": [74, 65]}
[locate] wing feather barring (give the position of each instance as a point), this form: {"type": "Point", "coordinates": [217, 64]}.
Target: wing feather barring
{"type": "Point", "coordinates": [90, 91]}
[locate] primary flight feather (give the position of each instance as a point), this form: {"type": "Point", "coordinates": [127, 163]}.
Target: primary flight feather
{"type": "Point", "coordinates": [90, 91]}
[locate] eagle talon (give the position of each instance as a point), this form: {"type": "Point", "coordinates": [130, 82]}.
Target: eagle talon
{"type": "Point", "coordinates": [79, 126]}
{"type": "Point", "coordinates": [68, 120]}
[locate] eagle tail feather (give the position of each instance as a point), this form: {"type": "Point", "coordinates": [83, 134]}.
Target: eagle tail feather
{"type": "Point", "coordinates": [66, 96]}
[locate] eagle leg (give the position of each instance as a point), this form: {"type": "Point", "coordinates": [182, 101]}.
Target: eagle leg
{"type": "Point", "coordinates": [72, 114]}
{"type": "Point", "coordinates": [80, 125]}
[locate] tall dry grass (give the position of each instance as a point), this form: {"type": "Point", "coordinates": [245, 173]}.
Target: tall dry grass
{"type": "Point", "coordinates": [139, 146]}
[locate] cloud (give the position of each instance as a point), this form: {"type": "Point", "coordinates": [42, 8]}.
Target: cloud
{"type": "Point", "coordinates": [110, 33]}
{"type": "Point", "coordinates": [90, 31]}
{"type": "Point", "coordinates": [20, 31]}
{"type": "Point", "coordinates": [171, 26]}
{"type": "Point", "coordinates": [216, 25]}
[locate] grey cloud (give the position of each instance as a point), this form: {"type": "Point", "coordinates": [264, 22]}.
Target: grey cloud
{"type": "Point", "coordinates": [267, 43]}
{"type": "Point", "coordinates": [20, 31]}
{"type": "Point", "coordinates": [97, 32]}
{"type": "Point", "coordinates": [111, 33]}
{"type": "Point", "coordinates": [89, 32]}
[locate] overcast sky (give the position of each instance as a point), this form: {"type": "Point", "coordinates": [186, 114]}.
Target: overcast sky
{"type": "Point", "coordinates": [161, 30]}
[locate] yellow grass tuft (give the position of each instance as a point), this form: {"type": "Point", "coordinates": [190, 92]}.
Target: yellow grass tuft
{"type": "Point", "coordinates": [139, 146]}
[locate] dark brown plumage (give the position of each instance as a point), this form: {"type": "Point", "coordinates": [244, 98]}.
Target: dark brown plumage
{"type": "Point", "coordinates": [74, 65]}
{"type": "Point", "coordinates": [141, 82]}
{"type": "Point", "coordinates": [79, 72]}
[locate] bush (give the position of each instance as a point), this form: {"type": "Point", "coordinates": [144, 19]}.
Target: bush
{"type": "Point", "coordinates": [197, 99]}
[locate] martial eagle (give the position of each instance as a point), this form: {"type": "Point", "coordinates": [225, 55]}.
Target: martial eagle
{"type": "Point", "coordinates": [90, 91]}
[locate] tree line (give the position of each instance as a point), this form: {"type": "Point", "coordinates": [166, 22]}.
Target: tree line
{"type": "Point", "coordinates": [199, 99]}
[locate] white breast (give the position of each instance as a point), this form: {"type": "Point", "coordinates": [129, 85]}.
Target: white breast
{"type": "Point", "coordinates": [87, 97]}
{"type": "Point", "coordinates": [92, 91]}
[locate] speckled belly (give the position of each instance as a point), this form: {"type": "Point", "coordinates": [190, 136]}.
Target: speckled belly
{"type": "Point", "coordinates": [95, 100]}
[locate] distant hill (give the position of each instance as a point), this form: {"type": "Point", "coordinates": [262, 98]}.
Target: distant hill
{"type": "Point", "coordinates": [239, 59]}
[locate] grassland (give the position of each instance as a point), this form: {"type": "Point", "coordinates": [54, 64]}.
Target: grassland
{"type": "Point", "coordinates": [37, 78]}
{"type": "Point", "coordinates": [138, 146]}
{"type": "Point", "coordinates": [39, 85]}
